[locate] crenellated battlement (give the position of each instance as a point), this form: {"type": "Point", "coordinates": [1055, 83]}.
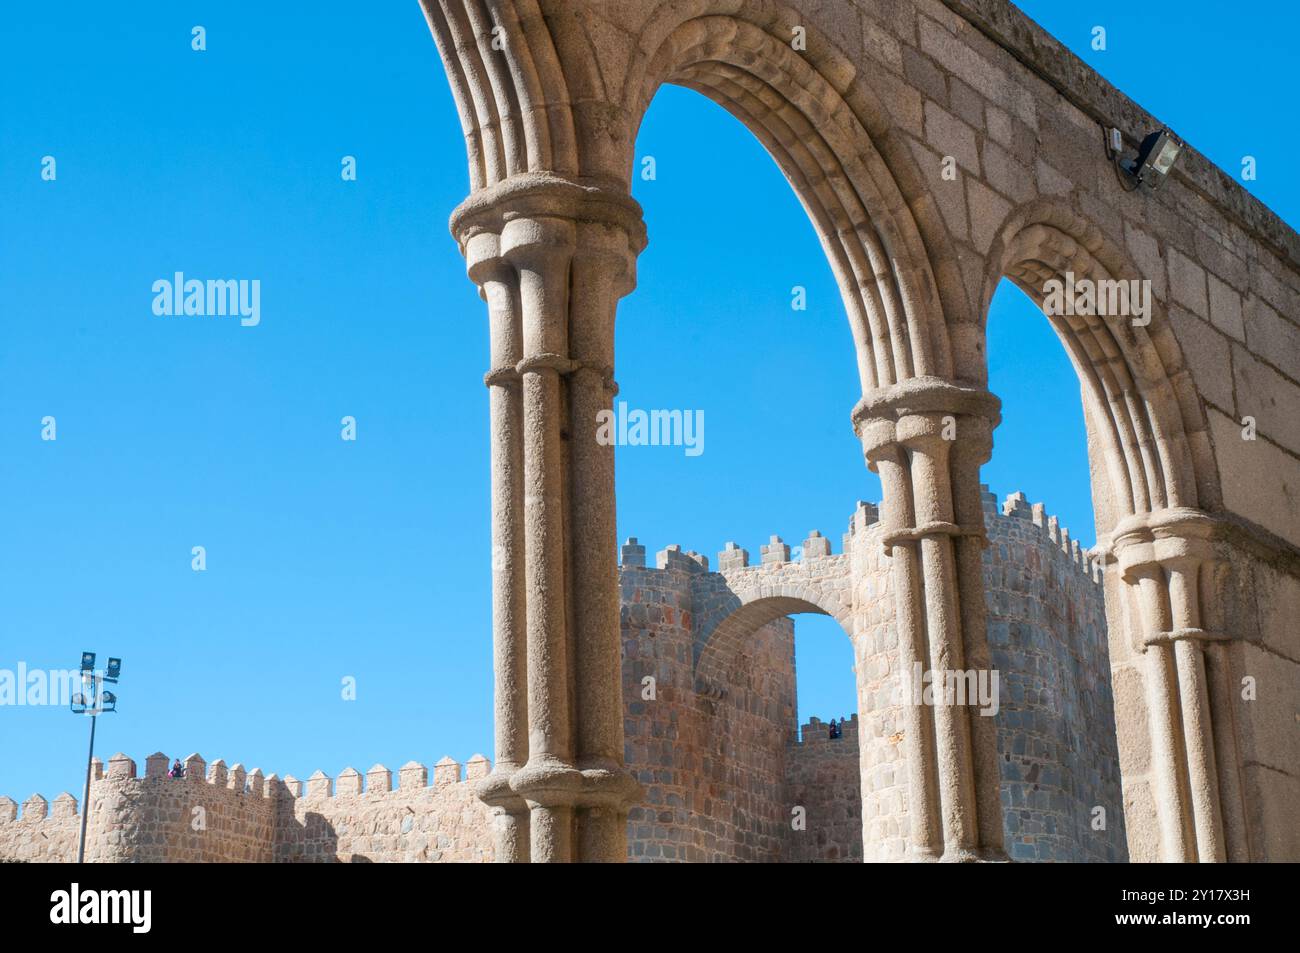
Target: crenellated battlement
{"type": "Point", "coordinates": [350, 783]}
{"type": "Point", "coordinates": [776, 552]}
{"type": "Point", "coordinates": [379, 780]}
{"type": "Point", "coordinates": [218, 813]}
{"type": "Point", "coordinates": [1017, 507]}
{"type": "Point", "coordinates": [36, 809]}
{"type": "Point", "coordinates": [817, 732]}
{"type": "Point", "coordinates": [721, 648]}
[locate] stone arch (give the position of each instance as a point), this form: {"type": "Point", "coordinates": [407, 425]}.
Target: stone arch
{"type": "Point", "coordinates": [550, 94]}
{"type": "Point", "coordinates": [831, 138]}
{"type": "Point", "coordinates": [734, 615]}
{"type": "Point", "coordinates": [512, 101]}
{"type": "Point", "coordinates": [1164, 605]}
{"type": "Point", "coordinates": [551, 238]}
{"type": "Point", "coordinates": [1140, 401]}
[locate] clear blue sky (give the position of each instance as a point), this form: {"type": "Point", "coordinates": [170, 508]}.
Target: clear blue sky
{"type": "Point", "coordinates": [370, 559]}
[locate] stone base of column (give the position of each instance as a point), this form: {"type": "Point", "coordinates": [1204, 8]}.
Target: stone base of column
{"type": "Point", "coordinates": [980, 855]}
{"type": "Point", "coordinates": [552, 834]}
{"type": "Point", "coordinates": [600, 795]}
{"type": "Point", "coordinates": [509, 815]}
{"type": "Point", "coordinates": [602, 835]}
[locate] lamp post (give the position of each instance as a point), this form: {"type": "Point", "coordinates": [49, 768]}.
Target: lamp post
{"type": "Point", "coordinates": [99, 702]}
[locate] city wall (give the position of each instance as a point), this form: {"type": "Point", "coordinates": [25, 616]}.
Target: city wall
{"type": "Point", "coordinates": [710, 726]}
{"type": "Point", "coordinates": [228, 815]}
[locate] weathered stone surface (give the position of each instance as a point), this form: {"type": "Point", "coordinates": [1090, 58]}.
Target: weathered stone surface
{"type": "Point", "coordinates": [1191, 516]}
{"type": "Point", "coordinates": [715, 744]}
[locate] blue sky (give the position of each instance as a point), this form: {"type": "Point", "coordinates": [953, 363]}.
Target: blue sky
{"type": "Point", "coordinates": [328, 559]}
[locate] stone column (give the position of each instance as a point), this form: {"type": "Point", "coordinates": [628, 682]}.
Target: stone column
{"type": "Point", "coordinates": [1174, 579]}
{"type": "Point", "coordinates": [889, 459]}
{"type": "Point", "coordinates": [554, 256]}
{"type": "Point", "coordinates": [927, 438]}
{"type": "Point", "coordinates": [969, 453]}
{"type": "Point", "coordinates": [602, 274]}
{"type": "Point", "coordinates": [541, 250]}
{"type": "Point", "coordinates": [498, 286]}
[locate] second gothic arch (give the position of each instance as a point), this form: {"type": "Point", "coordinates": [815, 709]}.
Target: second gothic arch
{"type": "Point", "coordinates": [824, 132]}
{"type": "Point", "coordinates": [1140, 402]}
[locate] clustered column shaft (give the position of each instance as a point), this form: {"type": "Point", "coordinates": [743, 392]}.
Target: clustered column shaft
{"type": "Point", "coordinates": [509, 661]}
{"type": "Point", "coordinates": [552, 258]}
{"type": "Point", "coordinates": [1174, 587]}
{"type": "Point", "coordinates": [927, 438]}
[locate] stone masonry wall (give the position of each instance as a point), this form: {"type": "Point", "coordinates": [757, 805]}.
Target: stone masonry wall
{"type": "Point", "coordinates": [347, 821]}
{"type": "Point", "coordinates": [718, 756]}
{"type": "Point", "coordinates": [821, 776]}
{"type": "Point", "coordinates": [231, 816]}
{"type": "Point", "coordinates": [712, 766]}
{"type": "Point", "coordinates": [689, 747]}
{"type": "Point", "coordinates": [43, 833]}
{"type": "Point", "coordinates": [1056, 723]}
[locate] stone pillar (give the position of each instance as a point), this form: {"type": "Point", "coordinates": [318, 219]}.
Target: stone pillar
{"type": "Point", "coordinates": [498, 286]}
{"type": "Point", "coordinates": [602, 274]}
{"type": "Point", "coordinates": [969, 453]}
{"type": "Point", "coordinates": [927, 438]}
{"type": "Point", "coordinates": [1174, 587]}
{"type": "Point", "coordinates": [553, 257]}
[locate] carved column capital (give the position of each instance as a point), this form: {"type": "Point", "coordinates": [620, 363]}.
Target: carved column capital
{"type": "Point", "coordinates": [539, 243]}
{"type": "Point", "coordinates": [1176, 538]}
{"type": "Point", "coordinates": [484, 262]}
{"type": "Point", "coordinates": [927, 395]}
{"type": "Point", "coordinates": [597, 208]}
{"type": "Point", "coordinates": [918, 412]}
{"type": "Point", "coordinates": [941, 431]}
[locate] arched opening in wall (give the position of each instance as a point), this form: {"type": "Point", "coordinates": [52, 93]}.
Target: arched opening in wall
{"type": "Point", "coordinates": [823, 669]}
{"type": "Point", "coordinates": [780, 788]}
{"type": "Point", "coordinates": [1151, 472]}
{"type": "Point", "coordinates": [742, 334]}
{"type": "Point", "coordinates": [744, 340]}
{"type": "Point", "coordinates": [823, 765]}
{"type": "Point", "coordinates": [1048, 632]}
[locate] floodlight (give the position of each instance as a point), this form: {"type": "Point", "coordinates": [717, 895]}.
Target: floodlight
{"type": "Point", "coordinates": [1156, 156]}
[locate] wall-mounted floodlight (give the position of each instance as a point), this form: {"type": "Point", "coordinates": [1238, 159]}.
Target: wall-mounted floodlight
{"type": "Point", "coordinates": [1155, 157]}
